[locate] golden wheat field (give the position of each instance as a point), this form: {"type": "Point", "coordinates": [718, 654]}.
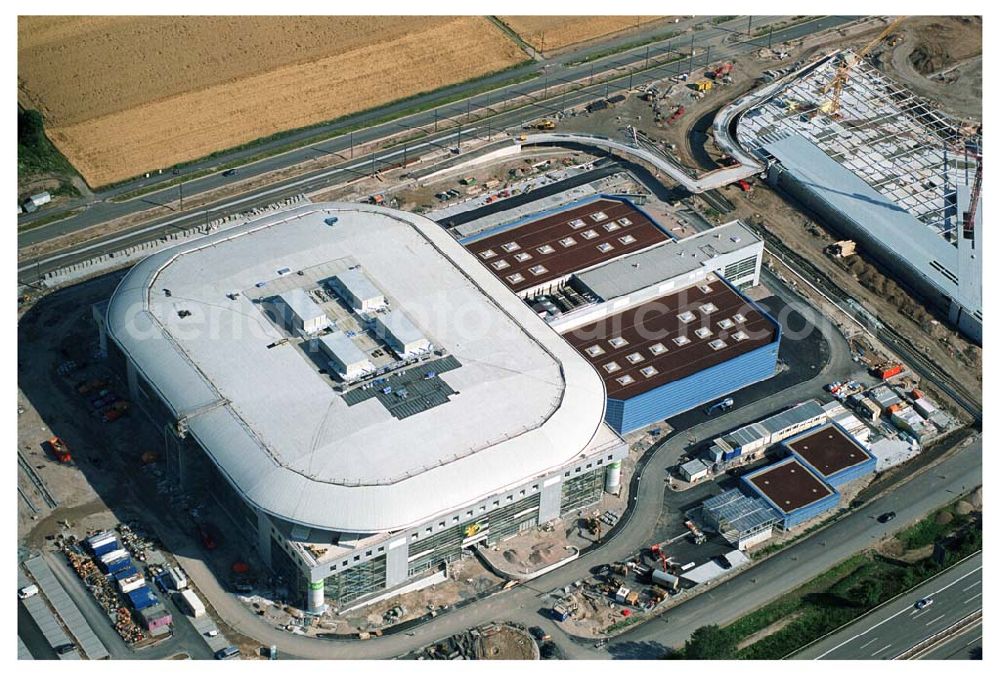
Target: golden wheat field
{"type": "Point", "coordinates": [551, 33]}
{"type": "Point", "coordinates": [126, 95]}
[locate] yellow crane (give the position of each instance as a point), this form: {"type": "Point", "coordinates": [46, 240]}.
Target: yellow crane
{"type": "Point", "coordinates": [848, 62]}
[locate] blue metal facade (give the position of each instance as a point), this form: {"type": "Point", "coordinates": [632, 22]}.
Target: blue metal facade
{"type": "Point", "coordinates": [699, 388]}
{"type": "Point", "coordinates": [790, 519]}
{"type": "Point", "coordinates": [842, 476]}
{"type": "Point", "coordinates": [679, 396]}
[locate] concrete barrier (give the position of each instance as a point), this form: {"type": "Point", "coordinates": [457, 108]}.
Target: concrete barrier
{"type": "Point", "coordinates": [110, 261]}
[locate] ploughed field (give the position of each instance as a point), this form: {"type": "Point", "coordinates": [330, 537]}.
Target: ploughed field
{"type": "Point", "coordinates": [126, 95]}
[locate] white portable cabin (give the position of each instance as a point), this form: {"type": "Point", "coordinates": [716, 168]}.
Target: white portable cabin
{"type": "Point", "coordinates": [401, 334]}
{"type": "Point", "coordinates": [302, 314]}
{"type": "Point", "coordinates": [358, 291]}
{"type": "Point", "coordinates": [193, 603]}
{"type": "Point", "coordinates": [347, 360]}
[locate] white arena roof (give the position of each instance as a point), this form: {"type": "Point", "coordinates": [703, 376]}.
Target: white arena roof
{"type": "Point", "coordinates": [525, 402]}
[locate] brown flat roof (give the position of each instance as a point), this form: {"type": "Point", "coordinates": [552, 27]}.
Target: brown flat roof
{"type": "Point", "coordinates": [565, 242]}
{"type": "Point", "coordinates": [790, 485]}
{"type": "Point", "coordinates": [623, 347]}
{"type": "Point", "coordinates": [828, 450]}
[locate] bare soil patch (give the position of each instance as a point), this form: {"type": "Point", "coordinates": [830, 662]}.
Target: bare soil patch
{"type": "Point", "coordinates": [939, 58]}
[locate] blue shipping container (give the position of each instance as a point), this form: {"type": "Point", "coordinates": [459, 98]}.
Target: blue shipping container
{"type": "Point", "coordinates": [142, 598]}
{"type": "Point", "coordinates": [126, 572]}
{"type": "Point", "coordinates": [119, 565]}
{"type": "Point", "coordinates": [106, 548]}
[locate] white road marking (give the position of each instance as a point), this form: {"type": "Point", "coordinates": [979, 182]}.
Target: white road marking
{"type": "Point", "coordinates": [921, 613]}
{"type": "Point", "coordinates": [936, 619]}
{"type": "Point", "coordinates": [969, 600]}
{"type": "Point", "coordinates": [972, 586]}
{"type": "Point", "coordinates": [906, 609]}
{"type": "Point", "coordinates": [868, 643]}
{"type": "Point", "coordinates": [881, 650]}
{"type": "Point", "coordinates": [974, 640]}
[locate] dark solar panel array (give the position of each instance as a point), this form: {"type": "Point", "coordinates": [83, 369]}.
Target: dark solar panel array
{"type": "Point", "coordinates": [410, 391]}
{"type": "Point", "coordinates": [565, 243]}
{"type": "Point", "coordinates": [642, 348]}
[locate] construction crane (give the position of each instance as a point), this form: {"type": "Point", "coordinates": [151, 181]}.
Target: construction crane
{"type": "Point", "coordinates": [844, 70]}
{"type": "Point", "coordinates": [969, 223]}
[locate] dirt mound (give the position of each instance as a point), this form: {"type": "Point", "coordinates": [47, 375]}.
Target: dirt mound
{"type": "Point", "coordinates": [510, 556]}
{"type": "Point", "coordinates": [963, 508]}
{"type": "Point", "coordinates": [927, 59]}
{"type": "Point", "coordinates": [943, 518]}
{"type": "Point", "coordinates": [944, 42]}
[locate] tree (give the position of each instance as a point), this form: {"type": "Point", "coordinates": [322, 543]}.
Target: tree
{"type": "Point", "coordinates": [710, 642]}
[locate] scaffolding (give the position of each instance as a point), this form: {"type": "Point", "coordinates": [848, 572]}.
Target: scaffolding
{"type": "Point", "coordinates": [360, 580]}
{"type": "Point", "coordinates": [583, 490]}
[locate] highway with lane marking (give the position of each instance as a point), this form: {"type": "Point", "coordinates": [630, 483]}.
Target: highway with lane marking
{"type": "Point", "coordinates": [895, 627]}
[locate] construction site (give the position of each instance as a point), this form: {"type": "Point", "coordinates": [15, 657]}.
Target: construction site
{"type": "Point", "coordinates": [798, 209]}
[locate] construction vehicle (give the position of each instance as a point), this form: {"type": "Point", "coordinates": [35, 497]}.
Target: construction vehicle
{"type": "Point", "coordinates": [377, 199]}
{"type": "Point", "coordinates": [678, 112]}
{"type": "Point", "coordinates": [721, 71]}
{"type": "Point", "coordinates": [699, 536]}
{"type": "Point", "coordinates": [657, 552]}
{"type": "Point", "coordinates": [546, 124]}
{"type": "Point", "coordinates": [745, 186]}
{"type": "Point", "coordinates": [59, 449]}
{"type": "Point", "coordinates": [703, 85]}
{"type": "Point", "coordinates": [847, 63]}
{"type": "Point", "coordinates": [842, 249]}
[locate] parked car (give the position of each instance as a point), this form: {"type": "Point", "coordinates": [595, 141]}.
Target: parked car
{"type": "Point", "coordinates": [227, 652]}
{"type": "Point", "coordinates": [27, 591]}
{"type": "Point", "coordinates": [212, 633]}
{"type": "Point", "coordinates": [924, 602]}
{"type": "Point", "coordinates": [65, 648]}
{"type": "Point", "coordinates": [886, 517]}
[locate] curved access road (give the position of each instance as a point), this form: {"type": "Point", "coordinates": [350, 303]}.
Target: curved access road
{"type": "Point", "coordinates": [706, 182]}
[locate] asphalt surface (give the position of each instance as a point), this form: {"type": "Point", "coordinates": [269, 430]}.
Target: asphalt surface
{"type": "Point", "coordinates": [895, 627]}
{"type": "Point", "coordinates": [965, 645]}
{"type": "Point", "coordinates": [714, 37]}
